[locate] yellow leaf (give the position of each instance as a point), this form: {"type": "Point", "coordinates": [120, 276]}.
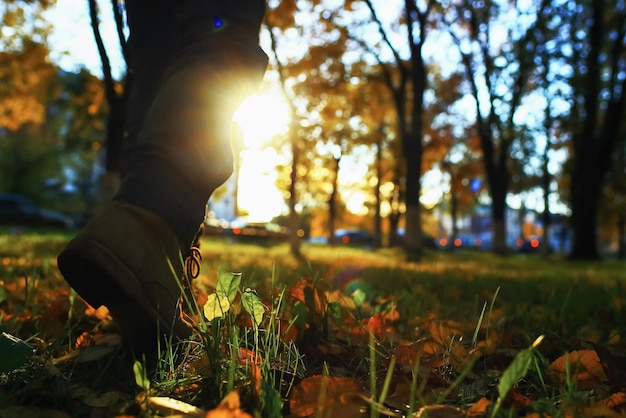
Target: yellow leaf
{"type": "Point", "coordinates": [171, 406]}
{"type": "Point", "coordinates": [216, 306]}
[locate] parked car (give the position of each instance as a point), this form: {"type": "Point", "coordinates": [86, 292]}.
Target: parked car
{"type": "Point", "coordinates": [242, 229]}
{"type": "Point", "coordinates": [17, 210]}
{"type": "Point", "coordinates": [427, 240]}
{"type": "Point", "coordinates": [465, 241]}
{"type": "Point", "coordinates": [532, 244]}
{"type": "Point", "coordinates": [353, 236]}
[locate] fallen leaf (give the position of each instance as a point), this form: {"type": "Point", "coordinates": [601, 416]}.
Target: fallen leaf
{"type": "Point", "coordinates": [518, 400]}
{"type": "Point", "coordinates": [584, 365]}
{"type": "Point", "coordinates": [406, 356]}
{"type": "Point", "coordinates": [308, 293]}
{"type": "Point", "coordinates": [101, 313]}
{"type": "Point", "coordinates": [84, 340]}
{"type": "Point", "coordinates": [479, 408]}
{"type": "Point", "coordinates": [230, 407]}
{"type": "Point", "coordinates": [341, 298]}
{"type": "Point", "coordinates": [288, 332]}
{"type": "Point", "coordinates": [376, 325]}
{"type": "Point", "coordinates": [614, 401]}
{"type": "Point", "coordinates": [439, 411]}
{"type": "Point", "coordinates": [317, 393]}
{"type": "Point", "coordinates": [257, 377]}
{"type": "Point", "coordinates": [168, 406]}
{"type": "Point", "coordinates": [444, 332]}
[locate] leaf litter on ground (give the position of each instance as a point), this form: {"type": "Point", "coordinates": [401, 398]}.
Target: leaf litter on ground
{"type": "Point", "coordinates": [352, 334]}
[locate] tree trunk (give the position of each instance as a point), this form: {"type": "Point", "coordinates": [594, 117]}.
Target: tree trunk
{"type": "Point", "coordinates": [394, 216]}
{"type": "Point", "coordinates": [545, 185]}
{"type": "Point", "coordinates": [294, 222]}
{"type": "Point", "coordinates": [585, 192]}
{"type": "Point", "coordinates": [378, 229]}
{"type": "Point", "coordinates": [116, 119]}
{"type": "Point", "coordinates": [454, 209]}
{"type": "Point", "coordinates": [621, 231]}
{"type": "Point", "coordinates": [332, 205]}
{"type": "Point", "coordinates": [413, 145]}
{"type": "Point", "coordinates": [597, 138]}
{"type": "Point", "coordinates": [498, 215]}
{"type": "Point", "coordinates": [521, 218]}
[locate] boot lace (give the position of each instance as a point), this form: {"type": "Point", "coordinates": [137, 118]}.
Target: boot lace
{"type": "Point", "coordinates": [192, 271]}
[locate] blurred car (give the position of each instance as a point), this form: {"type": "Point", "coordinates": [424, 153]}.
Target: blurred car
{"type": "Point", "coordinates": [353, 236]}
{"type": "Point", "coordinates": [16, 210]}
{"type": "Point", "coordinates": [532, 244]}
{"type": "Point", "coordinates": [462, 241]}
{"type": "Point", "coordinates": [243, 229]}
{"type": "Point", "coordinates": [260, 230]}
{"type": "Point", "coordinates": [427, 240]}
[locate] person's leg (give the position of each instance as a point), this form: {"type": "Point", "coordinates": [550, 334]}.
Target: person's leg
{"type": "Point", "coordinates": [183, 151]}
{"type": "Point", "coordinates": [129, 257]}
{"type": "Point", "coordinates": [151, 46]}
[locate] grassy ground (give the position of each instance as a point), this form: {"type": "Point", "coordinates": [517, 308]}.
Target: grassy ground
{"type": "Point", "coordinates": [346, 333]}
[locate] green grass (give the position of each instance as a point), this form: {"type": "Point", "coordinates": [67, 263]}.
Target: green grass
{"type": "Point", "coordinates": [461, 304]}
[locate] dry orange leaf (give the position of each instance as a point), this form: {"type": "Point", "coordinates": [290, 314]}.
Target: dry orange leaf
{"type": "Point", "coordinates": [518, 400]}
{"type": "Point", "coordinates": [317, 393]}
{"type": "Point", "coordinates": [430, 347]}
{"type": "Point", "coordinates": [614, 401]}
{"type": "Point", "coordinates": [584, 364]}
{"type": "Point", "coordinates": [376, 325]}
{"type": "Point", "coordinates": [248, 356]}
{"type": "Point", "coordinates": [230, 407]}
{"type": "Point", "coordinates": [102, 313]}
{"type": "Point", "coordinates": [444, 333]}
{"type": "Point", "coordinates": [257, 377]}
{"type": "Point", "coordinates": [406, 355]}
{"type": "Point", "coordinates": [297, 292]}
{"type": "Point", "coordinates": [479, 409]}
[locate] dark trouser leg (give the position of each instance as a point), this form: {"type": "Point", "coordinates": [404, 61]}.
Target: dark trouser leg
{"type": "Point", "coordinates": [177, 151]}
{"type": "Point", "coordinates": [183, 151]}
{"type": "Point", "coordinates": [151, 45]}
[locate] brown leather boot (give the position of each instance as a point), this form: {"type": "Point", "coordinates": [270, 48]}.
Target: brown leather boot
{"type": "Point", "coordinates": [130, 260]}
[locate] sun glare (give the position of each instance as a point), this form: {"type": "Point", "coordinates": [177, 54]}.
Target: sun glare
{"type": "Point", "coordinates": [261, 117]}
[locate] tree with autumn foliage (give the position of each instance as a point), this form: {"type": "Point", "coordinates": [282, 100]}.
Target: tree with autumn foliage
{"type": "Point", "coordinates": [595, 42]}
{"type": "Point", "coordinates": [498, 70]}
{"type": "Point", "coordinates": [451, 145]}
{"type": "Point", "coordinates": [50, 119]}
{"type": "Point", "coordinates": [52, 124]}
{"type": "Point", "coordinates": [329, 95]}
{"type": "Point", "coordinates": [407, 81]}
